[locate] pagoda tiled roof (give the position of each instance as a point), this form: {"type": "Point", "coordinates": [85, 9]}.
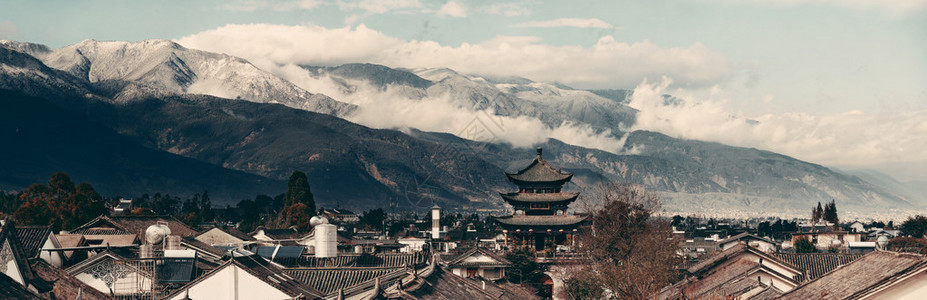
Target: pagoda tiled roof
{"type": "Point", "coordinates": [539, 171]}
{"type": "Point", "coordinates": [526, 220]}
{"type": "Point", "coordinates": [539, 197]}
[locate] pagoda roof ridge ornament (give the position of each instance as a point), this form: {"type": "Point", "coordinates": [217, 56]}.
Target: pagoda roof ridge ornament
{"type": "Point", "coordinates": [539, 171]}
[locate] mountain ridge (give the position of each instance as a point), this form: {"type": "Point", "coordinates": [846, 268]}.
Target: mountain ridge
{"type": "Point", "coordinates": [370, 167]}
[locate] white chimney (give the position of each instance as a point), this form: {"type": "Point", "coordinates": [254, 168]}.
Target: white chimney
{"type": "Point", "coordinates": [436, 222]}
{"type": "Point", "coordinates": [326, 239]}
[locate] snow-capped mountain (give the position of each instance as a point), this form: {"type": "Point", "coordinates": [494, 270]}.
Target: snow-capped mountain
{"type": "Point", "coordinates": [164, 67]}
{"type": "Point", "coordinates": [148, 91]}
{"type": "Point", "coordinates": [552, 104]}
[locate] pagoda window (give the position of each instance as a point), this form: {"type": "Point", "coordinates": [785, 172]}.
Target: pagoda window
{"type": "Point", "coordinates": [540, 205]}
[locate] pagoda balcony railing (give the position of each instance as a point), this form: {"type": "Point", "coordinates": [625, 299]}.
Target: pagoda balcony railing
{"type": "Point", "coordinates": [560, 256]}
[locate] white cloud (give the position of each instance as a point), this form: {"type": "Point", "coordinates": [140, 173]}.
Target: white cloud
{"type": "Point", "coordinates": [850, 139]}
{"type": "Point", "coordinates": [606, 64]}
{"type": "Point", "coordinates": [8, 30]}
{"type": "Point", "coordinates": [392, 108]}
{"type": "Point", "coordinates": [568, 22]}
{"type": "Point", "coordinates": [378, 6]}
{"type": "Point", "coordinates": [891, 8]}
{"type": "Point", "coordinates": [507, 9]}
{"type": "Point", "coordinates": [453, 9]}
{"type": "Point", "coordinates": [282, 5]}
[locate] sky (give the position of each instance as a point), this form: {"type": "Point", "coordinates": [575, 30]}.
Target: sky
{"type": "Point", "coordinates": [836, 82]}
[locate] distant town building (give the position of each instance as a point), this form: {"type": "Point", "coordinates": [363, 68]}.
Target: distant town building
{"type": "Point", "coordinates": [340, 216]}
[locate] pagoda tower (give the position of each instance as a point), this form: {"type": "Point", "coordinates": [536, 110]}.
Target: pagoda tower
{"type": "Point", "coordinates": [540, 220]}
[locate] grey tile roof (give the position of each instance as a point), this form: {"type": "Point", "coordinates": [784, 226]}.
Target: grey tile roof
{"type": "Point", "coordinates": [745, 236]}
{"type": "Point", "coordinates": [769, 293]}
{"type": "Point", "coordinates": [65, 285]}
{"type": "Point", "coordinates": [539, 171]}
{"type": "Point", "coordinates": [816, 264]}
{"type": "Point", "coordinates": [539, 197]}
{"type": "Point", "coordinates": [859, 277]}
{"type": "Point", "coordinates": [263, 270]}
{"type": "Point", "coordinates": [458, 260]}
{"type": "Point", "coordinates": [10, 289]}
{"type": "Point", "coordinates": [132, 224]}
{"type": "Point", "coordinates": [99, 231]}
{"type": "Point", "coordinates": [32, 238]}
{"type": "Point", "coordinates": [283, 234]}
{"type": "Point", "coordinates": [525, 220]}
{"type": "Point", "coordinates": [390, 260]}
{"type": "Point", "coordinates": [328, 280]}
{"type": "Point", "coordinates": [442, 285]}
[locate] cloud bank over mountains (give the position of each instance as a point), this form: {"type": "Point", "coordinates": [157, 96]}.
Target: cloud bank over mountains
{"type": "Point", "coordinates": [849, 139]}
{"type": "Point", "coordinates": [606, 64]}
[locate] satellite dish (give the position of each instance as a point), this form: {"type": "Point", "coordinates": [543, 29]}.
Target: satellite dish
{"type": "Point", "coordinates": [318, 220]}
{"type": "Point", "coordinates": [156, 233]}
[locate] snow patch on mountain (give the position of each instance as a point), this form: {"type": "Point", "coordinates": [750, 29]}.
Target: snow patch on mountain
{"type": "Point", "coordinates": [165, 67]}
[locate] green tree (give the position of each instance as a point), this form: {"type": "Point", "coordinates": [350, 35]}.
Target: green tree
{"type": "Point", "coordinates": [298, 215]}
{"type": "Point", "coordinates": [908, 244]}
{"type": "Point", "coordinates": [298, 191]}
{"type": "Point", "coordinates": [915, 226]}
{"type": "Point", "coordinates": [830, 213]}
{"type": "Point", "coordinates": [803, 245]}
{"type": "Point", "coordinates": [524, 268]}
{"type": "Point", "coordinates": [250, 219]}
{"type": "Point", "coordinates": [60, 204]}
{"type": "Point", "coordinates": [205, 208]}
{"type": "Point", "coordinates": [373, 219]}
{"type": "Point", "coordinates": [298, 203]}
{"type": "Point", "coordinates": [817, 213]}
{"type": "Point", "coordinates": [763, 229]}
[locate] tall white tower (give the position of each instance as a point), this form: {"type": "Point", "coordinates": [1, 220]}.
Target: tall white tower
{"type": "Point", "coordinates": [436, 222]}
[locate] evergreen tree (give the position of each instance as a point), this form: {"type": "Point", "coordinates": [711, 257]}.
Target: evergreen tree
{"type": "Point", "coordinates": [915, 226]}
{"type": "Point", "coordinates": [803, 245]}
{"type": "Point", "coordinates": [830, 213]}
{"type": "Point", "coordinates": [206, 213]}
{"type": "Point", "coordinates": [298, 191]}
{"type": "Point", "coordinates": [299, 205]}
{"type": "Point", "coordinates": [817, 213]}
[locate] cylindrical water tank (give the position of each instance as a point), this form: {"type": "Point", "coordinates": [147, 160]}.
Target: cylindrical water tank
{"type": "Point", "coordinates": [146, 251]}
{"type": "Point", "coordinates": [156, 233]}
{"type": "Point", "coordinates": [318, 220]}
{"type": "Point", "coordinates": [172, 242]}
{"type": "Point", "coordinates": [326, 240]}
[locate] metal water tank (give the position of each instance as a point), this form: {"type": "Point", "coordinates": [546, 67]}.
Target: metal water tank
{"type": "Point", "coordinates": [156, 233]}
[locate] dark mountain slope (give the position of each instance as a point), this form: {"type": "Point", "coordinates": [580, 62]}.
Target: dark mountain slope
{"type": "Point", "coordinates": [39, 138]}
{"type": "Point", "coordinates": [346, 163]}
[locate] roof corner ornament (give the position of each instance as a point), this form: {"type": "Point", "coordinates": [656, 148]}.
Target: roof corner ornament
{"type": "Point", "coordinates": [539, 151]}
